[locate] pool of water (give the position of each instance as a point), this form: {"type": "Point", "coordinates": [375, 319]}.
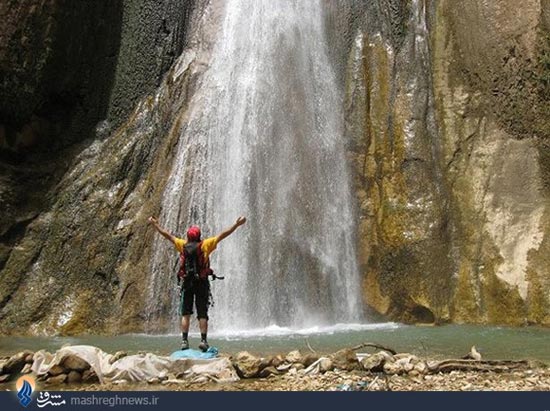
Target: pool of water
{"type": "Point", "coordinates": [442, 341]}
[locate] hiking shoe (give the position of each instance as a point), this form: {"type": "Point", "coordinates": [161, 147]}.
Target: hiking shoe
{"type": "Point", "coordinates": [184, 344]}
{"type": "Point", "coordinates": [203, 346]}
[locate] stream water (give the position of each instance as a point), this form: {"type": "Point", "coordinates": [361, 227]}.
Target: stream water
{"type": "Point", "coordinates": [438, 342]}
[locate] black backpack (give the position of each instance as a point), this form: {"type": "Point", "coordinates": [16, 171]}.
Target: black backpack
{"type": "Point", "coordinates": [192, 262]}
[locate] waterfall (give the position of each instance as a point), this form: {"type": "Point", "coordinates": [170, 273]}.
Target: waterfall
{"type": "Point", "coordinates": [264, 139]}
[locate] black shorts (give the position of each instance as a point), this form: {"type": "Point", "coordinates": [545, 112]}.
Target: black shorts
{"type": "Point", "coordinates": [199, 292]}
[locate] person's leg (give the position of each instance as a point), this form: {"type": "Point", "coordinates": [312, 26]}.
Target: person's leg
{"type": "Point", "coordinates": [203, 293]}
{"type": "Point", "coordinates": [203, 326]}
{"type": "Point", "coordinates": [185, 320]}
{"type": "Point", "coordinates": [186, 309]}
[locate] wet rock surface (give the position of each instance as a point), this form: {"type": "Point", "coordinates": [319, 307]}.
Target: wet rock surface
{"type": "Point", "coordinates": [39, 233]}
{"type": "Point", "coordinates": [452, 218]}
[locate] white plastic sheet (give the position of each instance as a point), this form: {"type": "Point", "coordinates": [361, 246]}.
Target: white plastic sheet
{"type": "Point", "coordinates": [140, 367]}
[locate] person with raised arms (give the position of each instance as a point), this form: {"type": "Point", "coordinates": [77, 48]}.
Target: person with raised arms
{"type": "Point", "coordinates": [193, 275]}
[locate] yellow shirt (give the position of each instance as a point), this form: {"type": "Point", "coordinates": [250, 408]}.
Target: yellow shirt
{"type": "Point", "coordinates": [207, 246]}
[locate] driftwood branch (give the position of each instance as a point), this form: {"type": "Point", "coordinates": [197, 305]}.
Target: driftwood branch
{"type": "Point", "coordinates": [374, 345]}
{"type": "Point", "coordinates": [309, 346]}
{"type": "Point", "coordinates": [477, 365]}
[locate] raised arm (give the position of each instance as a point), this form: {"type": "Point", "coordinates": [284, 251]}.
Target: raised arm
{"type": "Point", "coordinates": [240, 221]}
{"type": "Point", "coordinates": [153, 221]}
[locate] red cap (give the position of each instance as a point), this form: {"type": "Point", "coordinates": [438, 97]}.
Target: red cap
{"type": "Point", "coordinates": [194, 233]}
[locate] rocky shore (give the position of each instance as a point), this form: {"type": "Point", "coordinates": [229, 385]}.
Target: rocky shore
{"type": "Point", "coordinates": [344, 370]}
{"type": "Point", "coordinates": [530, 380]}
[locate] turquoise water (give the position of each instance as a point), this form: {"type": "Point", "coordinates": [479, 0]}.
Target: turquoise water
{"type": "Point", "coordinates": [444, 341]}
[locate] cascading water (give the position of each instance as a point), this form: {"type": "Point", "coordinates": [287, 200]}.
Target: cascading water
{"type": "Point", "coordinates": [264, 139]}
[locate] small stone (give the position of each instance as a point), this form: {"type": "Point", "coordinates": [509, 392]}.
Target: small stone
{"type": "Point", "coordinates": [264, 362]}
{"type": "Point", "coordinates": [5, 378]}
{"type": "Point", "coordinates": [268, 371]}
{"type": "Point", "coordinates": [89, 376]}
{"type": "Point", "coordinates": [277, 360]}
{"type": "Point", "coordinates": [392, 368]}
{"type": "Point", "coordinates": [309, 359]}
{"type": "Point", "coordinates": [298, 366]}
{"type": "Point", "coordinates": [74, 377]}
{"type": "Point", "coordinates": [245, 356]}
{"type": "Point", "coordinates": [153, 381]}
{"type": "Point", "coordinates": [421, 367]}
{"type": "Point", "coordinates": [27, 369]}
{"type": "Point", "coordinates": [325, 365]}
{"type": "Point", "coordinates": [402, 355]}
{"type": "Point", "coordinates": [56, 380]}
{"type": "Point", "coordinates": [42, 377]}
{"type": "Point", "coordinates": [117, 356]}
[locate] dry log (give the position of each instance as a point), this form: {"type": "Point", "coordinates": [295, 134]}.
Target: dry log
{"type": "Point", "coordinates": [374, 345]}
{"type": "Point", "coordinates": [477, 365]}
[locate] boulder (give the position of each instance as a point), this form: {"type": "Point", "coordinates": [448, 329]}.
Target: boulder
{"type": "Point", "coordinates": [74, 363]}
{"type": "Point", "coordinates": [74, 377]}
{"type": "Point", "coordinates": [374, 362]}
{"type": "Point", "coordinates": [325, 364]}
{"type": "Point", "coordinates": [406, 363]}
{"type": "Point", "coordinates": [310, 358]}
{"type": "Point", "coordinates": [247, 365]}
{"type": "Point", "coordinates": [56, 370]}
{"type": "Point", "coordinates": [345, 360]}
{"type": "Point", "coordinates": [15, 363]}
{"type": "Point", "coordinates": [294, 357]}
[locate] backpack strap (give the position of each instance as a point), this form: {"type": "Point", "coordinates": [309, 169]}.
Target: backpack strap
{"type": "Point", "coordinates": [181, 271]}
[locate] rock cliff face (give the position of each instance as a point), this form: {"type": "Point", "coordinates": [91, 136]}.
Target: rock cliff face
{"type": "Point", "coordinates": [65, 67]}
{"type": "Point", "coordinates": [448, 126]}
{"type": "Point", "coordinates": [448, 113]}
